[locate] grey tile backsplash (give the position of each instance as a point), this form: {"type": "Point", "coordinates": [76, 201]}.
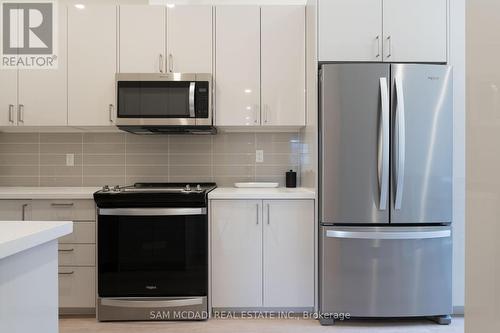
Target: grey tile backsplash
{"type": "Point", "coordinates": [39, 159]}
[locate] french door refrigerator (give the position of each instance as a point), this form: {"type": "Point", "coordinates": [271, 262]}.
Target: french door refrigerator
{"type": "Point", "coordinates": [386, 140]}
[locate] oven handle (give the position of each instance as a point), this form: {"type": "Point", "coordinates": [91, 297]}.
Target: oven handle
{"type": "Point", "coordinates": [128, 303]}
{"type": "Point", "coordinates": [152, 211]}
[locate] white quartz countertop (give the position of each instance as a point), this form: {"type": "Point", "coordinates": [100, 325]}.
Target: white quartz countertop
{"type": "Point", "coordinates": [17, 236]}
{"type": "Point", "coordinates": [20, 192]}
{"type": "Point", "coordinates": [262, 193]}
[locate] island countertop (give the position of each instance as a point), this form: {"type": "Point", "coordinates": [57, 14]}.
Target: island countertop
{"type": "Point", "coordinates": [17, 236]}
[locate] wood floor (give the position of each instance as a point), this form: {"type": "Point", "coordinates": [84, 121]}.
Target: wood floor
{"type": "Point", "coordinates": [90, 325]}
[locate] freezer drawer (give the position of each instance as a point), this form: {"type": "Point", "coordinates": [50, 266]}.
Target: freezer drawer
{"type": "Point", "coordinates": [386, 271]}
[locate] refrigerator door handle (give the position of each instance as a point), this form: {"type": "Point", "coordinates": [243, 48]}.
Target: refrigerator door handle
{"type": "Point", "coordinates": [383, 145]}
{"type": "Point", "coordinates": [388, 234]}
{"type": "Point", "coordinates": [400, 142]}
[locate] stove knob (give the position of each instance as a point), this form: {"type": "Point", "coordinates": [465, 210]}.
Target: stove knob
{"type": "Point", "coordinates": [198, 188]}
{"type": "Point", "coordinates": [116, 188]}
{"type": "Point", "coordinates": [105, 188]}
{"type": "Point", "coordinates": [188, 188]}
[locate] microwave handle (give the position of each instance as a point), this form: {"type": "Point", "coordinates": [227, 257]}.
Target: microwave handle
{"type": "Point", "coordinates": [191, 100]}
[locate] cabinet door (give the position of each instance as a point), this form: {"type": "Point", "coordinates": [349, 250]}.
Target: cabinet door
{"type": "Point", "coordinates": [15, 210]}
{"type": "Point", "coordinates": [415, 31]}
{"type": "Point", "coordinates": [289, 253]}
{"type": "Point", "coordinates": [350, 30]}
{"type": "Point", "coordinates": [190, 39]}
{"type": "Point", "coordinates": [43, 92]}
{"type": "Point", "coordinates": [283, 65]}
{"type": "Point", "coordinates": [237, 65]}
{"type": "Point", "coordinates": [142, 39]}
{"type": "Point", "coordinates": [8, 97]}
{"type": "Point", "coordinates": [236, 245]}
{"type": "Point", "coordinates": [91, 65]}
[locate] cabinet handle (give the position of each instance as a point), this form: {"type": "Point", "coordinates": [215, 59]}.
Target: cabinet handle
{"type": "Point", "coordinates": [378, 46]}
{"type": "Point", "coordinates": [171, 63]}
{"type": "Point", "coordinates": [389, 44]}
{"type": "Point", "coordinates": [257, 115]}
{"type": "Point", "coordinates": [23, 212]}
{"type": "Point", "coordinates": [111, 107]}
{"type": "Point", "coordinates": [66, 273]}
{"type": "Point", "coordinates": [266, 112]}
{"type": "Point", "coordinates": [20, 114]}
{"type": "Point", "coordinates": [11, 113]}
{"type": "Point", "coordinates": [66, 250]}
{"type": "Point", "coordinates": [268, 214]}
{"type": "Point", "coordinates": [257, 213]}
{"type": "Point", "coordinates": [160, 63]}
{"type": "Point", "coordinates": [62, 204]}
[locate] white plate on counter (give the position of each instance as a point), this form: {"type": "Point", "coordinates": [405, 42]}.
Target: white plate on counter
{"type": "Point", "coordinates": [256, 185]}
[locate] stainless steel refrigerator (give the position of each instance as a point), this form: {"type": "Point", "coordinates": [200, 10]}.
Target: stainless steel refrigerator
{"type": "Point", "coordinates": [386, 143]}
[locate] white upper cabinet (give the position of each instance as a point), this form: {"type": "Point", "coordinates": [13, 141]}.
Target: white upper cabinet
{"type": "Point", "coordinates": [237, 65]}
{"type": "Point", "coordinates": [91, 65]}
{"type": "Point", "coordinates": [350, 30]}
{"type": "Point", "coordinates": [236, 241]}
{"type": "Point", "coordinates": [142, 39]}
{"type": "Point", "coordinates": [43, 92]}
{"type": "Point", "coordinates": [283, 65]}
{"type": "Point", "coordinates": [8, 97]}
{"type": "Point", "coordinates": [415, 31]}
{"type": "Point", "coordinates": [383, 30]}
{"type": "Point", "coordinates": [288, 253]}
{"type": "Point", "coordinates": [189, 39]}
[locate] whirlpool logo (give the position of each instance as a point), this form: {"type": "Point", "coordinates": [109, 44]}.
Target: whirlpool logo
{"type": "Point", "coordinates": [29, 39]}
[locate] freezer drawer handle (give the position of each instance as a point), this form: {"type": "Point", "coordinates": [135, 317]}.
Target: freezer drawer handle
{"type": "Point", "coordinates": [388, 234]}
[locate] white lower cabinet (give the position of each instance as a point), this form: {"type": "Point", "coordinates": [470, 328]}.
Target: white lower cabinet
{"type": "Point", "coordinates": [262, 253]}
{"type": "Point", "coordinates": [15, 210]}
{"type": "Point", "coordinates": [76, 288]}
{"type": "Point", "coordinates": [236, 253]}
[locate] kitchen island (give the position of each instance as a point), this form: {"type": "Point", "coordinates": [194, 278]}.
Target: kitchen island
{"type": "Point", "coordinates": [28, 275]}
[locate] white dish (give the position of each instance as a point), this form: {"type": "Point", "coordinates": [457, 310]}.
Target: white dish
{"type": "Point", "coordinates": [256, 185]}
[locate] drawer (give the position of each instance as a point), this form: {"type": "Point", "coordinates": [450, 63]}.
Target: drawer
{"type": "Point", "coordinates": [76, 255]}
{"type": "Point", "coordinates": [58, 210]}
{"type": "Point", "coordinates": [83, 233]}
{"type": "Point", "coordinates": [77, 287]}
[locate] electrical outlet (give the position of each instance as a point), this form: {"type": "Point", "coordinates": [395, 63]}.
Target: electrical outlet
{"type": "Point", "coordinates": [70, 159]}
{"type": "Point", "coordinates": [259, 156]}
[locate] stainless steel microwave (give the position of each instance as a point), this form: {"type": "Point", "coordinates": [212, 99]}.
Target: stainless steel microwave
{"type": "Point", "coordinates": [164, 102]}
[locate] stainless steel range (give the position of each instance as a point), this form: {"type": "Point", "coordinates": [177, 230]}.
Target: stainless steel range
{"type": "Point", "coordinates": [152, 252]}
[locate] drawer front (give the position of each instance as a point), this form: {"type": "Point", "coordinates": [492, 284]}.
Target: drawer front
{"type": "Point", "coordinates": [76, 287]}
{"type": "Point", "coordinates": [58, 210]}
{"type": "Point", "coordinates": [76, 255]}
{"type": "Point", "coordinates": [83, 233]}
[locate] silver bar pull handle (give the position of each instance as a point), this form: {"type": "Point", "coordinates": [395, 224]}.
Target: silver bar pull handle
{"type": "Point", "coordinates": [110, 110]}
{"type": "Point", "coordinates": [23, 212]}
{"type": "Point", "coordinates": [389, 46]}
{"type": "Point", "coordinates": [268, 214]}
{"type": "Point", "coordinates": [400, 142]}
{"type": "Point", "coordinates": [66, 250]}
{"type": "Point", "coordinates": [378, 46]}
{"type": "Point", "coordinates": [170, 63]}
{"type": "Point", "coordinates": [160, 63]}
{"type": "Point", "coordinates": [62, 204]}
{"type": "Point", "coordinates": [20, 114]}
{"type": "Point", "coordinates": [191, 99]}
{"type": "Point", "coordinates": [11, 113]}
{"type": "Point", "coordinates": [383, 145]}
{"type": "Point", "coordinates": [257, 213]}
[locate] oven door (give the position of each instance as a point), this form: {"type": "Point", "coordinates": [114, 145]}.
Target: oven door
{"type": "Point", "coordinates": [152, 252]}
{"type": "Point", "coordinates": [163, 99]}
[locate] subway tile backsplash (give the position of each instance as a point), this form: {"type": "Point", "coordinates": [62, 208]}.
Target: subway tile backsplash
{"type": "Point", "coordinates": [39, 159]}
